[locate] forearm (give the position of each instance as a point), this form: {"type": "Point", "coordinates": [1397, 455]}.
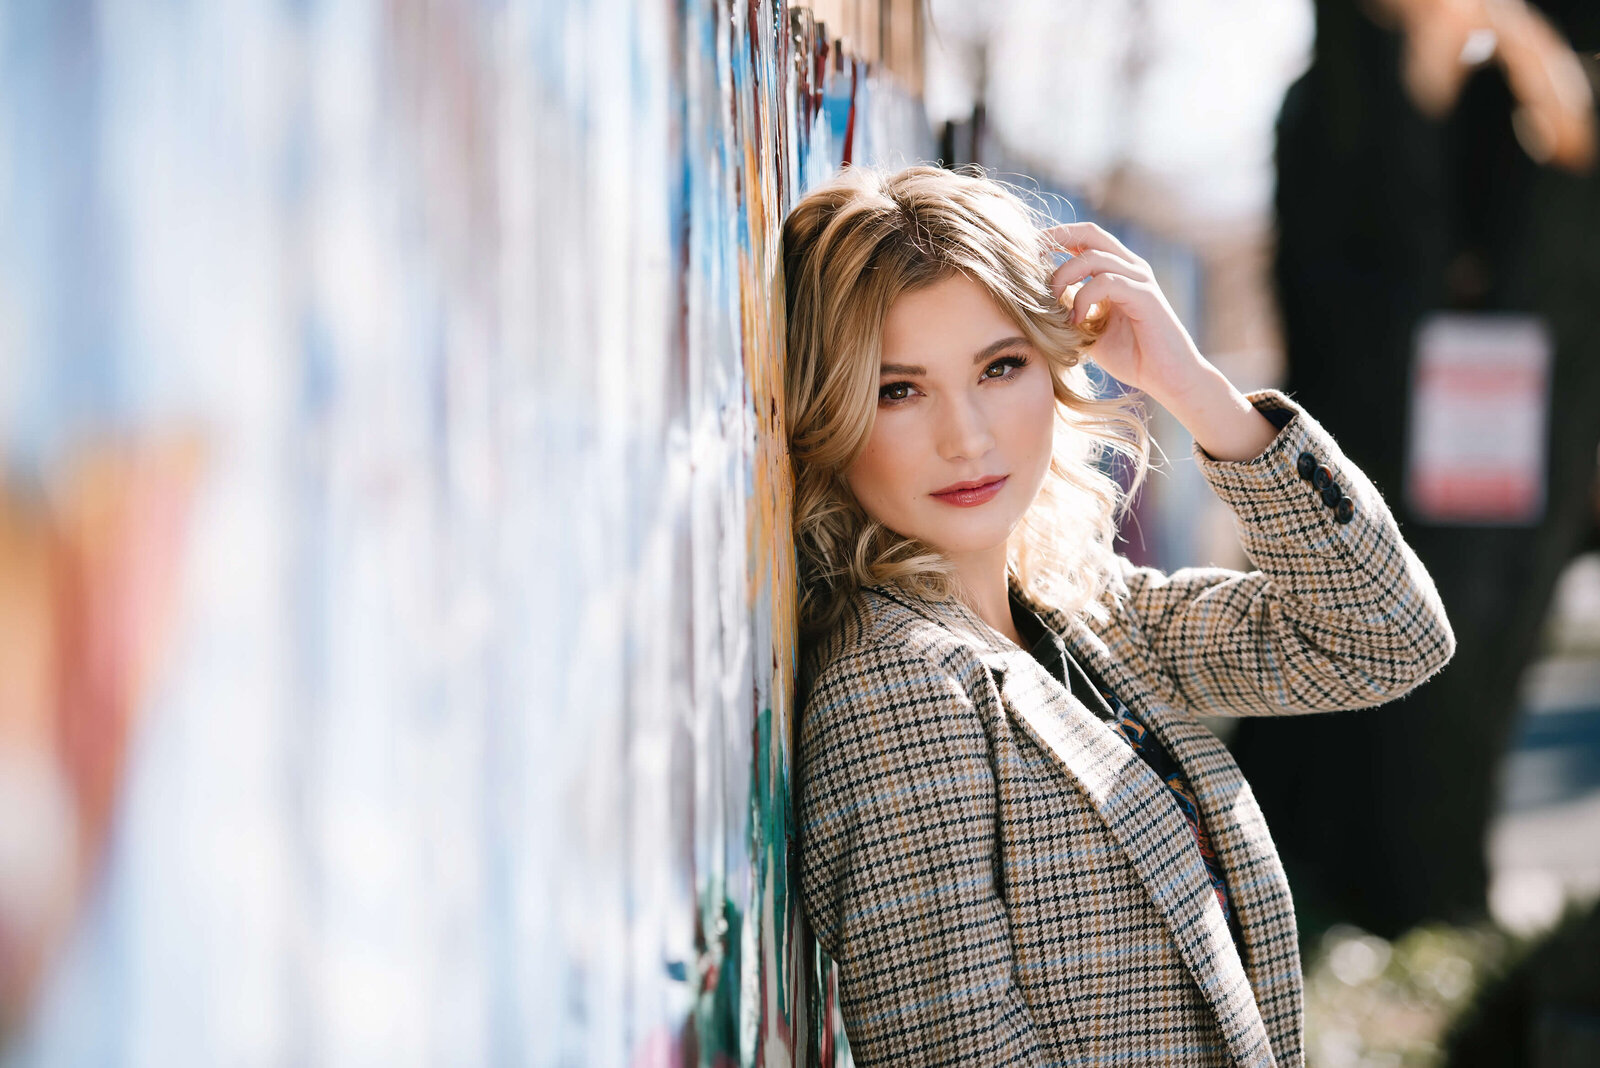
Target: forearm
{"type": "Point", "coordinates": [1221, 419]}
{"type": "Point", "coordinates": [1338, 613]}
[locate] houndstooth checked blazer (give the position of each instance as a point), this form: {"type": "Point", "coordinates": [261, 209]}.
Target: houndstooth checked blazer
{"type": "Point", "coordinates": [1001, 880]}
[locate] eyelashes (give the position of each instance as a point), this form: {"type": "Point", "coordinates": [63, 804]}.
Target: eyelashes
{"type": "Point", "coordinates": [1017, 361]}
{"type": "Point", "coordinates": [893, 393]}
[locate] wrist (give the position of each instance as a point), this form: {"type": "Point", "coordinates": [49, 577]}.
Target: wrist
{"type": "Point", "coordinates": [1221, 419]}
{"type": "Point", "coordinates": [1202, 386]}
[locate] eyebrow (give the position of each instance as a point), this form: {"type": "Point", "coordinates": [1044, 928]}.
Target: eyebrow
{"type": "Point", "coordinates": [987, 352]}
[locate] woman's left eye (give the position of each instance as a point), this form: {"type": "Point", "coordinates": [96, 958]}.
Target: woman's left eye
{"type": "Point", "coordinates": [1002, 367]}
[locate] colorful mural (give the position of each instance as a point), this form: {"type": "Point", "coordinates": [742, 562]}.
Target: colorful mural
{"type": "Point", "coordinates": [396, 599]}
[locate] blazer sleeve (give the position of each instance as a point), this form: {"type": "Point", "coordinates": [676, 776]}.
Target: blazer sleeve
{"type": "Point", "coordinates": [1338, 614]}
{"type": "Point", "coordinates": [898, 861]}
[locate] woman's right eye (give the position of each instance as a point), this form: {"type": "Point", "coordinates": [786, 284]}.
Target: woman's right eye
{"type": "Point", "coordinates": [894, 391]}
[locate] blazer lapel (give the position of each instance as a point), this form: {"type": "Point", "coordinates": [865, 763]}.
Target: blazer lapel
{"type": "Point", "coordinates": [1257, 885]}
{"type": "Point", "coordinates": [1134, 804]}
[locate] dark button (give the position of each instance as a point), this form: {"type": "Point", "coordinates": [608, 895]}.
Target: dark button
{"type": "Point", "coordinates": [1305, 465]}
{"type": "Point", "coordinates": [1332, 494]}
{"type": "Point", "coordinates": [1345, 510]}
{"type": "Point", "coordinates": [1322, 477]}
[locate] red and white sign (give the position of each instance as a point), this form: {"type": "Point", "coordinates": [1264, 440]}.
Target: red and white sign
{"type": "Point", "coordinates": [1479, 419]}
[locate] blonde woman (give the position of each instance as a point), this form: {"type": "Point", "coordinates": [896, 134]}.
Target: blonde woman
{"type": "Point", "coordinates": [1016, 841]}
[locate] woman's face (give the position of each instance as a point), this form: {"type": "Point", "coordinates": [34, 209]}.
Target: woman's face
{"type": "Point", "coordinates": [961, 442]}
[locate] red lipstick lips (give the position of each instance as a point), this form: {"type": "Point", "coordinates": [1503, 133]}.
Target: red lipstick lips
{"type": "Point", "coordinates": [968, 494]}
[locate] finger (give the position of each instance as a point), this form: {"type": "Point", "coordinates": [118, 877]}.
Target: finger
{"type": "Point", "coordinates": [1093, 262]}
{"type": "Point", "coordinates": [1087, 235]}
{"type": "Point", "coordinates": [1103, 289]}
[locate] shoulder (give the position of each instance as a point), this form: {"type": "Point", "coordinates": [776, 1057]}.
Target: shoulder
{"type": "Point", "coordinates": [877, 621]}
{"type": "Point", "coordinates": [886, 647]}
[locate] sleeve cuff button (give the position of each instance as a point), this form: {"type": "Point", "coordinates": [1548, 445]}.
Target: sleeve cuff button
{"type": "Point", "coordinates": [1322, 478]}
{"type": "Point", "coordinates": [1305, 465]}
{"type": "Point", "coordinates": [1344, 510]}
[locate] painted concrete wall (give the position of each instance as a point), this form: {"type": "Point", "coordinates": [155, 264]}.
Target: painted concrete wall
{"type": "Point", "coordinates": [395, 584]}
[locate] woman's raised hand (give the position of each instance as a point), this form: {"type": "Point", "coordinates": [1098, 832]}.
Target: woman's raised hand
{"type": "Point", "coordinates": [1143, 346]}
{"type": "Point", "coordinates": [1146, 347]}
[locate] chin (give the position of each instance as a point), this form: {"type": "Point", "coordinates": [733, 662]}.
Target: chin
{"type": "Point", "coordinates": [971, 540]}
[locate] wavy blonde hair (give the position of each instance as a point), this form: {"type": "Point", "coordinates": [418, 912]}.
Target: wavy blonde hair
{"type": "Point", "coordinates": [850, 248]}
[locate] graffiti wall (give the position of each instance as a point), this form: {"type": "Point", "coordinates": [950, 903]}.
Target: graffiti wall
{"type": "Point", "coordinates": [395, 589]}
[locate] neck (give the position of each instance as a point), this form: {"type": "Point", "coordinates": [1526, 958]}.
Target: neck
{"type": "Point", "coordinates": [983, 577]}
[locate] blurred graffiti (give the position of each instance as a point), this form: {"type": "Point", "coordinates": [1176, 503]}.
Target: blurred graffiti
{"type": "Point", "coordinates": [395, 585]}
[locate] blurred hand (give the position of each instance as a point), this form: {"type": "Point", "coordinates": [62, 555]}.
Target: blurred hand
{"type": "Point", "coordinates": [1445, 40]}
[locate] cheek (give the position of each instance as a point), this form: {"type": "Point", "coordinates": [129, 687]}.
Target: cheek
{"type": "Point", "coordinates": [879, 470]}
{"type": "Point", "coordinates": [1031, 419]}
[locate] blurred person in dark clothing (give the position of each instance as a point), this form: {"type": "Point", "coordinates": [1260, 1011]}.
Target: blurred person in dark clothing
{"type": "Point", "coordinates": [1408, 185]}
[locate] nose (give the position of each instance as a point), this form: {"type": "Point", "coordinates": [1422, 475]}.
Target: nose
{"type": "Point", "coordinates": [964, 431]}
